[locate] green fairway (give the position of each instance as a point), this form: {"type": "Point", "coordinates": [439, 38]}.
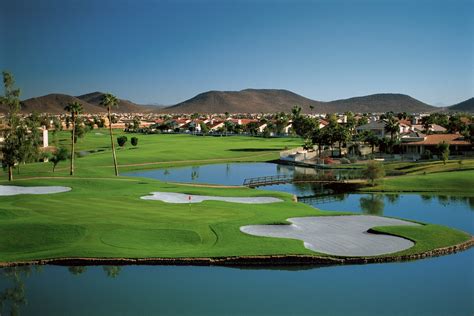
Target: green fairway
{"type": "Point", "coordinates": [158, 151]}
{"type": "Point", "coordinates": [103, 216]}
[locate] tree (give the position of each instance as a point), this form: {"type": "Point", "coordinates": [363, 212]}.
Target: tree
{"type": "Point", "coordinates": [443, 149]}
{"type": "Point", "coordinates": [122, 140]}
{"type": "Point", "coordinates": [370, 138]}
{"type": "Point", "coordinates": [134, 141]}
{"type": "Point", "coordinates": [363, 120]}
{"type": "Point", "coordinates": [11, 99]}
{"type": "Point", "coordinates": [136, 122]}
{"type": "Point", "coordinates": [374, 171]}
{"type": "Point", "coordinates": [296, 112]}
{"type": "Point", "coordinates": [109, 101]}
{"type": "Point", "coordinates": [342, 135]}
{"type": "Point", "coordinates": [74, 108]}
{"type": "Point", "coordinates": [392, 126]}
{"type": "Point", "coordinates": [61, 154]}
{"type": "Point", "coordinates": [204, 128]}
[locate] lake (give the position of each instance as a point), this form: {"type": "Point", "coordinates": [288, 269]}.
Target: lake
{"type": "Point", "coordinates": [434, 286]}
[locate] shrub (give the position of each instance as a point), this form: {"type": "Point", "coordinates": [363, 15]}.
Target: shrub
{"type": "Point", "coordinates": [345, 161]}
{"type": "Point", "coordinates": [121, 140]}
{"type": "Point", "coordinates": [353, 160]}
{"type": "Point", "coordinates": [134, 141]}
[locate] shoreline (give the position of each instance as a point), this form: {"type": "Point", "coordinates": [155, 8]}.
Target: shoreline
{"type": "Point", "coordinates": [256, 261]}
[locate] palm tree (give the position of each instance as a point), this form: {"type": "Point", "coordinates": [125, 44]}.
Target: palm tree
{"type": "Point", "coordinates": [74, 109]}
{"type": "Point", "coordinates": [392, 126]}
{"type": "Point", "coordinates": [109, 101]}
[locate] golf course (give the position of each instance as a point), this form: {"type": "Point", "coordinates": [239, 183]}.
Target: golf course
{"type": "Point", "coordinates": [106, 217]}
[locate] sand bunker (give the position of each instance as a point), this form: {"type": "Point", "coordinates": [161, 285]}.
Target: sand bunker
{"type": "Point", "coordinates": [338, 235]}
{"type": "Point", "coordinates": [170, 197]}
{"type": "Point", "coordinates": [6, 190]}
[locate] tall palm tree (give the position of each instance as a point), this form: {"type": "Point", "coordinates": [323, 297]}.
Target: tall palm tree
{"type": "Point", "coordinates": [109, 101]}
{"type": "Point", "coordinates": [392, 126]}
{"type": "Point", "coordinates": [74, 109]}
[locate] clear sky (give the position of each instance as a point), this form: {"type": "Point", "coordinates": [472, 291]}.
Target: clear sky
{"type": "Point", "coordinates": [168, 51]}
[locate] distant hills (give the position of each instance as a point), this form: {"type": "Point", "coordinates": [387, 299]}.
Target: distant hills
{"type": "Point", "coordinates": [55, 103]}
{"type": "Point", "coordinates": [246, 101]}
{"type": "Point", "coordinates": [465, 106]}
{"type": "Point", "coordinates": [270, 100]}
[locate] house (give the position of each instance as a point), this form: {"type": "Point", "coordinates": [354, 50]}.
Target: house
{"type": "Point", "coordinates": [376, 127]}
{"type": "Point", "coordinates": [417, 146]}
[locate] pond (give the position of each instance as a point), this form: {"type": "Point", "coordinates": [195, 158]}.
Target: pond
{"type": "Point", "coordinates": [434, 286]}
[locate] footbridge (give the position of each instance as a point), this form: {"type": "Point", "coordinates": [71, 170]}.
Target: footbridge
{"type": "Point", "coordinates": [284, 179]}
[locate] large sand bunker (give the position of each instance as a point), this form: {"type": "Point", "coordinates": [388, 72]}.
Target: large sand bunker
{"type": "Point", "coordinates": [338, 235]}
{"type": "Point", "coordinates": [170, 197]}
{"type": "Point", "coordinates": [6, 190]}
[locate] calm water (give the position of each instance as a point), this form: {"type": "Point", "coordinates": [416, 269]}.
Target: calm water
{"type": "Point", "coordinates": [435, 286]}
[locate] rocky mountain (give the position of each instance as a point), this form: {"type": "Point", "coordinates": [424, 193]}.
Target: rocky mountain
{"type": "Point", "coordinates": [269, 100]}
{"type": "Point", "coordinates": [465, 106]}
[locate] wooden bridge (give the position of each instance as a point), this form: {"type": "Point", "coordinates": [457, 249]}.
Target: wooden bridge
{"type": "Point", "coordinates": [283, 179]}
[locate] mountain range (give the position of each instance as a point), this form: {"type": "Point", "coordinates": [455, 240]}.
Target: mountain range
{"type": "Point", "coordinates": [246, 101]}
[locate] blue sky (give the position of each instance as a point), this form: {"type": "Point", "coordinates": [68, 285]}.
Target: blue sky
{"type": "Point", "coordinates": [168, 51]}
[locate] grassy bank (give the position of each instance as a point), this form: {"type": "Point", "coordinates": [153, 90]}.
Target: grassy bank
{"type": "Point", "coordinates": [456, 181]}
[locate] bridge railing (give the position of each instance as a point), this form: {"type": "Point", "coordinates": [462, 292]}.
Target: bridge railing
{"type": "Point", "coordinates": [268, 180]}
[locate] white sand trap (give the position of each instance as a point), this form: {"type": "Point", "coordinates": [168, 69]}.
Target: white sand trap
{"type": "Point", "coordinates": [170, 197]}
{"type": "Point", "coordinates": [6, 190]}
{"type": "Point", "coordinates": [338, 235]}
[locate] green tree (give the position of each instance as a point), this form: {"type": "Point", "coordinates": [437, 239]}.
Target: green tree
{"type": "Point", "coordinates": [11, 145]}
{"type": "Point", "coordinates": [122, 140]}
{"type": "Point", "coordinates": [443, 149]}
{"type": "Point", "coordinates": [61, 154]}
{"type": "Point", "coordinates": [109, 101]}
{"type": "Point", "coordinates": [204, 128]}
{"type": "Point", "coordinates": [374, 171]}
{"type": "Point", "coordinates": [370, 138]}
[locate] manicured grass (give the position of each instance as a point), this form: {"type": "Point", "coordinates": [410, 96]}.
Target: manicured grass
{"type": "Point", "coordinates": [429, 166]}
{"type": "Point", "coordinates": [427, 237]}
{"type": "Point", "coordinates": [103, 216]}
{"type": "Point", "coordinates": [453, 182]}
{"type": "Point", "coordinates": [107, 218]}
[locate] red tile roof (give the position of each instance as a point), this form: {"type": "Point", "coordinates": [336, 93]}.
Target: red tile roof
{"type": "Point", "coordinates": [435, 139]}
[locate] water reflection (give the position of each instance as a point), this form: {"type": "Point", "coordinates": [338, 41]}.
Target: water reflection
{"type": "Point", "coordinates": [112, 271]}
{"type": "Point", "coordinates": [372, 205]}
{"type": "Point", "coordinates": [77, 270]}
{"type": "Point", "coordinates": [14, 295]}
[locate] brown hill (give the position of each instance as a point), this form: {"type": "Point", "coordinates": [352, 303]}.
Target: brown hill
{"type": "Point", "coordinates": [465, 106]}
{"type": "Point", "coordinates": [268, 100]}
{"type": "Point", "coordinates": [124, 106]}
{"type": "Point", "coordinates": [55, 103]}
{"type": "Point", "coordinates": [382, 102]}
{"type": "Point", "coordinates": [245, 101]}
